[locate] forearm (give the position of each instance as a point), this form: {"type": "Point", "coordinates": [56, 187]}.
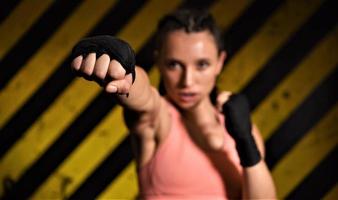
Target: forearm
{"type": "Point", "coordinates": [258, 183]}
{"type": "Point", "coordinates": [141, 97]}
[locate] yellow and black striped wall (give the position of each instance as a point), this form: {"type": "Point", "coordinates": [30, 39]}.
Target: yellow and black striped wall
{"type": "Point", "coordinates": [62, 137]}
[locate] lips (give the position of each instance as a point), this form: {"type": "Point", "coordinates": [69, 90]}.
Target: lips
{"type": "Point", "coordinates": [187, 96]}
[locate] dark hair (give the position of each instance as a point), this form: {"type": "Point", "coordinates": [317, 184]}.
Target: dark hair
{"type": "Point", "coordinates": [189, 20]}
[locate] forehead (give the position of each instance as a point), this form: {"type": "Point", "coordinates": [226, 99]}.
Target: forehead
{"type": "Point", "coordinates": [181, 42]}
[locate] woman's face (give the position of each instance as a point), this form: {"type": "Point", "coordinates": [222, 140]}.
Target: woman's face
{"type": "Point", "coordinates": [189, 64]}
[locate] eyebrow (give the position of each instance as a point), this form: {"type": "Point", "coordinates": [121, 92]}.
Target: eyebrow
{"type": "Point", "coordinates": [168, 60]}
{"type": "Point", "coordinates": [203, 60]}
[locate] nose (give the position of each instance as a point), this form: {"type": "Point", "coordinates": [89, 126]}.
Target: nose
{"type": "Point", "coordinates": [187, 77]}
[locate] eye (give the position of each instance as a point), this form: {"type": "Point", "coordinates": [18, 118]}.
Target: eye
{"type": "Point", "coordinates": [173, 65]}
{"type": "Point", "coordinates": [203, 64]}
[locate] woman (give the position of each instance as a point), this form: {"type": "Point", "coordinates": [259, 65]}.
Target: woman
{"type": "Point", "coordinates": [184, 147]}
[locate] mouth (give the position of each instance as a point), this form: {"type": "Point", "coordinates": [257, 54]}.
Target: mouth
{"type": "Point", "coordinates": [187, 96]}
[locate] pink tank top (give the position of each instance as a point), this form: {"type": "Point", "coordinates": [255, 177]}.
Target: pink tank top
{"type": "Point", "coordinates": [181, 170]}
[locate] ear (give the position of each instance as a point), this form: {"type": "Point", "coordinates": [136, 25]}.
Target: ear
{"type": "Point", "coordinates": [221, 58]}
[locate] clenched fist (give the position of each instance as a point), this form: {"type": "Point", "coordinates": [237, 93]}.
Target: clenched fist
{"type": "Point", "coordinates": [107, 60]}
{"type": "Point", "coordinates": [237, 121]}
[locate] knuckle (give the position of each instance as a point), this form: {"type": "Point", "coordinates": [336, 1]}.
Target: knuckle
{"type": "Point", "coordinates": [115, 73]}
{"type": "Point", "coordinates": [75, 66]}
{"type": "Point", "coordinates": [116, 70]}
{"type": "Point", "coordinates": [129, 79]}
{"type": "Point", "coordinates": [122, 91]}
{"type": "Point", "coordinates": [99, 73]}
{"type": "Point", "coordinates": [101, 67]}
{"type": "Point", "coordinates": [87, 71]}
{"type": "Point", "coordinates": [76, 63]}
{"type": "Point", "coordinates": [125, 87]}
{"type": "Point", "coordinates": [105, 57]}
{"type": "Point", "coordinates": [90, 59]}
{"type": "Point", "coordinates": [122, 88]}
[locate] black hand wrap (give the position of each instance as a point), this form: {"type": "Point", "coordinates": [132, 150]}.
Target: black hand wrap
{"type": "Point", "coordinates": [238, 123]}
{"type": "Point", "coordinates": [104, 44]}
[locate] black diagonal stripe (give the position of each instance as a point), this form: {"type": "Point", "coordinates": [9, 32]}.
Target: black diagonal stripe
{"type": "Point", "coordinates": [57, 152]}
{"type": "Point", "coordinates": [323, 178]}
{"type": "Point", "coordinates": [7, 7]}
{"type": "Point", "coordinates": [60, 79]}
{"type": "Point", "coordinates": [37, 35]}
{"type": "Point", "coordinates": [312, 109]}
{"type": "Point", "coordinates": [107, 171]}
{"type": "Point", "coordinates": [291, 53]}
{"type": "Point", "coordinates": [247, 25]}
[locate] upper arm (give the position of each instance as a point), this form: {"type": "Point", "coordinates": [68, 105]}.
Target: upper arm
{"type": "Point", "coordinates": [148, 130]}
{"type": "Point", "coordinates": [153, 121]}
{"type": "Point", "coordinates": [146, 116]}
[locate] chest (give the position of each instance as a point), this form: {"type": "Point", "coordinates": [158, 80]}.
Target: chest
{"type": "Point", "coordinates": [183, 166]}
{"type": "Point", "coordinates": [209, 137]}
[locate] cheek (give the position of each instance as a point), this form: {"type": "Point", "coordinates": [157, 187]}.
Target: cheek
{"type": "Point", "coordinates": [208, 80]}
{"type": "Point", "coordinates": [170, 80]}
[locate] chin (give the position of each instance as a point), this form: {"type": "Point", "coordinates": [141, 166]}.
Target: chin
{"type": "Point", "coordinates": [186, 105]}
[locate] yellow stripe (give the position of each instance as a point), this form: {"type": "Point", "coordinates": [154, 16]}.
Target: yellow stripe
{"type": "Point", "coordinates": [120, 187]}
{"type": "Point", "coordinates": [298, 84]}
{"type": "Point", "coordinates": [332, 194]}
{"type": "Point", "coordinates": [46, 60]}
{"type": "Point", "coordinates": [46, 130]}
{"type": "Point", "coordinates": [154, 76]}
{"type": "Point", "coordinates": [124, 187]}
{"type": "Point", "coordinates": [226, 11]}
{"type": "Point", "coordinates": [90, 153]}
{"type": "Point", "coordinates": [308, 153]}
{"type": "Point", "coordinates": [19, 21]}
{"type": "Point", "coordinates": [278, 28]}
{"type": "Point", "coordinates": [111, 130]}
